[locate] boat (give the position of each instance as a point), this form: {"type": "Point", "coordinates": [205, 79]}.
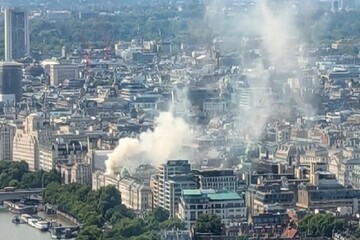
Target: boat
{"type": "Point", "coordinates": [42, 225]}
{"type": "Point", "coordinates": [25, 217]}
{"type": "Point", "coordinates": [32, 222]}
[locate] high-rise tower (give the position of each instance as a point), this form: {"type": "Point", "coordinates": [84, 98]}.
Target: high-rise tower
{"type": "Point", "coordinates": [10, 82]}
{"type": "Point", "coordinates": [17, 37]}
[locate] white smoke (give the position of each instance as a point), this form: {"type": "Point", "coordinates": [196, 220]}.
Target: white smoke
{"type": "Point", "coordinates": [151, 147]}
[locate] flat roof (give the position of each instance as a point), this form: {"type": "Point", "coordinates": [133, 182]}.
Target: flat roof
{"type": "Point", "coordinates": [224, 196]}
{"type": "Point", "coordinates": [214, 195]}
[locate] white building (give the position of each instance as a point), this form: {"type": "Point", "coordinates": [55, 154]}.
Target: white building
{"type": "Point", "coordinates": [217, 179]}
{"type": "Point", "coordinates": [60, 72]}
{"type": "Point", "coordinates": [166, 185]}
{"type": "Point", "coordinates": [26, 141]}
{"type": "Point", "coordinates": [228, 205]}
{"type": "Point", "coordinates": [7, 133]}
{"type": "Point", "coordinates": [134, 194]}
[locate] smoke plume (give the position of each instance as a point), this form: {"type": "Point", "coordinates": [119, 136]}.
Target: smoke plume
{"type": "Point", "coordinates": [151, 147]}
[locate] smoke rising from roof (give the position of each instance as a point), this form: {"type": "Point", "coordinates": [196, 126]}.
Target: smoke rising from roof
{"type": "Point", "coordinates": [151, 147]}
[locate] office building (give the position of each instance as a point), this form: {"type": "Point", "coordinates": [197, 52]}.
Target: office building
{"type": "Point", "coordinates": [217, 179]}
{"type": "Point", "coordinates": [60, 152]}
{"type": "Point", "coordinates": [60, 72]}
{"type": "Point", "coordinates": [228, 205]}
{"type": "Point", "coordinates": [35, 131]}
{"type": "Point", "coordinates": [7, 133]}
{"type": "Point", "coordinates": [172, 177]}
{"type": "Point", "coordinates": [324, 192]}
{"type": "Point", "coordinates": [10, 82]}
{"type": "Point", "coordinates": [134, 193]}
{"type": "Point", "coordinates": [17, 36]}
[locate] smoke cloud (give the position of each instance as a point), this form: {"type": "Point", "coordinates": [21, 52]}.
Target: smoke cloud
{"type": "Point", "coordinates": [270, 29]}
{"type": "Point", "coordinates": [152, 147]}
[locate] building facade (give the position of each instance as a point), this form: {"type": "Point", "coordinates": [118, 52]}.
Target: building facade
{"type": "Point", "coordinates": [60, 72]}
{"type": "Point", "coordinates": [228, 205]}
{"type": "Point", "coordinates": [35, 131]}
{"type": "Point", "coordinates": [7, 133]}
{"type": "Point", "coordinates": [166, 185]}
{"type": "Point", "coordinates": [10, 80]}
{"type": "Point", "coordinates": [17, 35]}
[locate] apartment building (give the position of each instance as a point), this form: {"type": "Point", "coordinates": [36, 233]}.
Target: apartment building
{"type": "Point", "coordinates": [166, 185]}
{"type": "Point", "coordinates": [228, 205]}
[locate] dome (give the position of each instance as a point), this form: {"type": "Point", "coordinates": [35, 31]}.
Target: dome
{"type": "Point", "coordinates": [125, 173]}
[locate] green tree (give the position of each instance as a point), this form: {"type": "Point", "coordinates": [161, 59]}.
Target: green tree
{"type": "Point", "coordinates": [320, 225]}
{"type": "Point", "coordinates": [209, 223]}
{"type": "Point", "coordinates": [160, 214]}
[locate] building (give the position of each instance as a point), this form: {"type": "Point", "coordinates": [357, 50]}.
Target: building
{"type": "Point", "coordinates": [324, 192]}
{"type": "Point", "coordinates": [7, 133]}
{"type": "Point", "coordinates": [228, 205]}
{"type": "Point", "coordinates": [214, 106]}
{"type": "Point", "coordinates": [59, 152]}
{"type": "Point", "coordinates": [10, 77]}
{"type": "Point", "coordinates": [314, 155]}
{"type": "Point", "coordinates": [172, 177]}
{"type": "Point", "coordinates": [35, 131]}
{"type": "Point", "coordinates": [60, 72]}
{"type": "Point", "coordinates": [217, 179]}
{"type": "Point", "coordinates": [134, 194]}
{"type": "Point", "coordinates": [259, 198]}
{"type": "Point", "coordinates": [75, 173]}
{"type": "Point", "coordinates": [17, 35]}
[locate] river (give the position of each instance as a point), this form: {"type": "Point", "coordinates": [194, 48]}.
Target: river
{"type": "Point", "coordinates": [9, 230]}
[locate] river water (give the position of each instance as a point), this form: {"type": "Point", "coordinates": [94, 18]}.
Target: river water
{"type": "Point", "coordinates": [9, 230]}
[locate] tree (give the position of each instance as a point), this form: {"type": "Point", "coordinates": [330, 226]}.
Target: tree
{"type": "Point", "coordinates": [320, 225]}
{"type": "Point", "coordinates": [91, 232]}
{"type": "Point", "coordinates": [209, 223]}
{"type": "Point", "coordinates": [160, 214]}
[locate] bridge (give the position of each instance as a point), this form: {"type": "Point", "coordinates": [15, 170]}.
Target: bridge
{"type": "Point", "coordinates": [19, 194]}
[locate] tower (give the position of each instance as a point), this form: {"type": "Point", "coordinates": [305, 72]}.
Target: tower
{"type": "Point", "coordinates": [17, 37]}
{"type": "Point", "coordinates": [10, 80]}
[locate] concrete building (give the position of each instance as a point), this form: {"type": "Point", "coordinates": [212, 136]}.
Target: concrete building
{"type": "Point", "coordinates": [214, 106]}
{"type": "Point", "coordinates": [228, 205]}
{"type": "Point", "coordinates": [59, 152]}
{"type": "Point", "coordinates": [342, 165]}
{"type": "Point", "coordinates": [17, 35]}
{"type": "Point", "coordinates": [60, 72]}
{"type": "Point", "coordinates": [10, 80]}
{"type": "Point", "coordinates": [259, 198]}
{"type": "Point", "coordinates": [27, 139]}
{"type": "Point", "coordinates": [75, 173]}
{"type": "Point", "coordinates": [7, 133]}
{"type": "Point", "coordinates": [134, 194]}
{"type": "Point", "coordinates": [314, 155]}
{"type": "Point", "coordinates": [324, 192]}
{"type": "Point", "coordinates": [217, 179]}
{"type": "Point", "coordinates": [172, 177]}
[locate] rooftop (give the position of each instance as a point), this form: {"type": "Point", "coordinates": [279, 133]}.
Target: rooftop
{"type": "Point", "coordinates": [214, 195]}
